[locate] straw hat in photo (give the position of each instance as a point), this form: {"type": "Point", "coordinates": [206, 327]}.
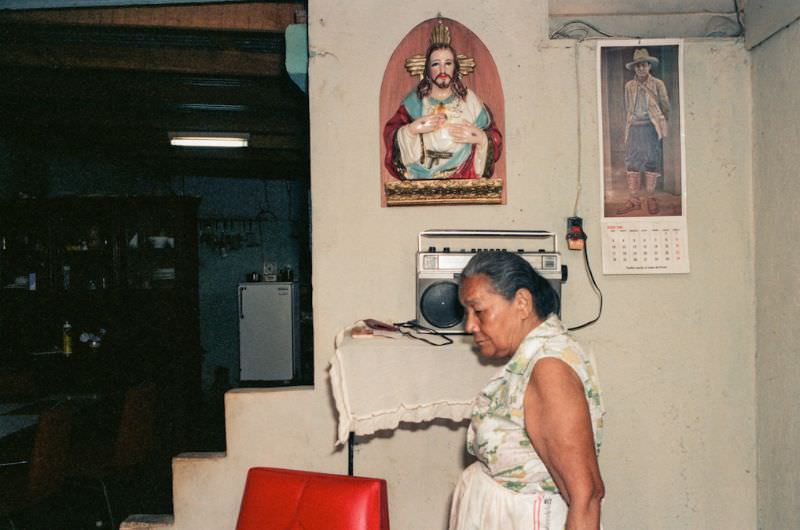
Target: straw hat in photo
{"type": "Point", "coordinates": [640, 56]}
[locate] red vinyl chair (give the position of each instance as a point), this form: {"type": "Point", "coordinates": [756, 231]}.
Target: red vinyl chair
{"type": "Point", "coordinates": [285, 499]}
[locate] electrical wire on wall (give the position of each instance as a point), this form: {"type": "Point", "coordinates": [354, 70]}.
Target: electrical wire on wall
{"type": "Point", "coordinates": [264, 214]}
{"type": "Point", "coordinates": [739, 20]}
{"type": "Point", "coordinates": [579, 186]}
{"type": "Point", "coordinates": [578, 31]}
{"type": "Point", "coordinates": [595, 287]}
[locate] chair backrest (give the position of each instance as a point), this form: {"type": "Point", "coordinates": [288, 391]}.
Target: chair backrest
{"type": "Point", "coordinates": [136, 437]}
{"type": "Point", "coordinates": [284, 499]}
{"type": "Point", "coordinates": [50, 454]}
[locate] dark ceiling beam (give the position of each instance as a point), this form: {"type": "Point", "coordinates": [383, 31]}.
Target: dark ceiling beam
{"type": "Point", "coordinates": [22, 86]}
{"type": "Point", "coordinates": [116, 96]}
{"type": "Point", "coordinates": [180, 61]}
{"type": "Point", "coordinates": [284, 156]}
{"type": "Point", "coordinates": [118, 108]}
{"type": "Point", "coordinates": [181, 51]}
{"type": "Point", "coordinates": [192, 167]}
{"type": "Point", "coordinates": [274, 141]}
{"type": "Point", "coordinates": [76, 118]}
{"type": "Point", "coordinates": [249, 16]}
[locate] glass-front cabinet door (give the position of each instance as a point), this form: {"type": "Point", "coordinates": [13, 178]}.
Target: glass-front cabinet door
{"type": "Point", "coordinates": [86, 242]}
{"type": "Point", "coordinates": [24, 248]}
{"type": "Point", "coordinates": [152, 238]}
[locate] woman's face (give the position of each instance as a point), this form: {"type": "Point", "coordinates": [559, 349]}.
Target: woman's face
{"type": "Point", "coordinates": [497, 325]}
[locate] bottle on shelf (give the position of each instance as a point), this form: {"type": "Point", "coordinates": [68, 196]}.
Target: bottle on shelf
{"type": "Point", "coordinates": [66, 338]}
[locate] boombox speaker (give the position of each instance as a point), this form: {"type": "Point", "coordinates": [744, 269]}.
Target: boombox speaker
{"type": "Point", "coordinates": [439, 270]}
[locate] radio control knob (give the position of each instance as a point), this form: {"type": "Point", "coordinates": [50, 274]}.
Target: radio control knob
{"type": "Point", "coordinates": [431, 249]}
{"type": "Point", "coordinates": [446, 249]}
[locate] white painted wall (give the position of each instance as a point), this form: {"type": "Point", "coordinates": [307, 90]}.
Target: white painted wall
{"type": "Point", "coordinates": [676, 353]}
{"type": "Point", "coordinates": [776, 117]}
{"type": "Point", "coordinates": [764, 18]}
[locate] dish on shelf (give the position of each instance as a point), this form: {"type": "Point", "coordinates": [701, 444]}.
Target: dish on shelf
{"type": "Point", "coordinates": [161, 241]}
{"type": "Point", "coordinates": [167, 273]}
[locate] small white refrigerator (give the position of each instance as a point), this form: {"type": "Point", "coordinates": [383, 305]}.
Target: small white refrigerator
{"type": "Point", "coordinates": [269, 332]}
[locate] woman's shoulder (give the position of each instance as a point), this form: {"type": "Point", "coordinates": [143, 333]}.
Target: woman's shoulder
{"type": "Point", "coordinates": [549, 337]}
{"type": "Point", "coordinates": [554, 341]}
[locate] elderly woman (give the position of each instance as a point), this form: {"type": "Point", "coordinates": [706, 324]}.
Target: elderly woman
{"type": "Point", "coordinates": [536, 425]}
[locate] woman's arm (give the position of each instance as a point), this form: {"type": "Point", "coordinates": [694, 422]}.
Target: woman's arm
{"type": "Point", "coordinates": [558, 423]}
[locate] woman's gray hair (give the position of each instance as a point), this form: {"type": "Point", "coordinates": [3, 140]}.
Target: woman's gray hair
{"type": "Point", "coordinates": [508, 272]}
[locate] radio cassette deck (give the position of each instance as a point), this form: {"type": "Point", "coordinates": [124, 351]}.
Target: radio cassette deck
{"type": "Point", "coordinates": [439, 271]}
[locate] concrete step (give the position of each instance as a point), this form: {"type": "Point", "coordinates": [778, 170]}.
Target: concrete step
{"type": "Point", "coordinates": [262, 429]}
{"type": "Point", "coordinates": [147, 522]}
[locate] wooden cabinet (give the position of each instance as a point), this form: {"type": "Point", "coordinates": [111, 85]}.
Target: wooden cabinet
{"type": "Point", "coordinates": [92, 243]}
{"type": "Point", "coordinates": [125, 265]}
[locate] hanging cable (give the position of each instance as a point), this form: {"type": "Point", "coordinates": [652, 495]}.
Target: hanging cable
{"type": "Point", "coordinates": [594, 286]}
{"type": "Point", "coordinates": [568, 30]}
{"type": "Point", "coordinates": [579, 186]}
{"type": "Point", "coordinates": [413, 330]}
{"type": "Point", "coordinates": [738, 16]}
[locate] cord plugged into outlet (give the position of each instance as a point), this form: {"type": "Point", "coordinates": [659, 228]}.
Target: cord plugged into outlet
{"type": "Point", "coordinates": [576, 240]}
{"type": "Point", "coordinates": [576, 237]}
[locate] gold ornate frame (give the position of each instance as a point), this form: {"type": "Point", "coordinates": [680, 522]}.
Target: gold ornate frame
{"type": "Point", "coordinates": [444, 191]}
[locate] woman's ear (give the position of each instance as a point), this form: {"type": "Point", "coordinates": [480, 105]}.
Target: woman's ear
{"type": "Point", "coordinates": [523, 300]}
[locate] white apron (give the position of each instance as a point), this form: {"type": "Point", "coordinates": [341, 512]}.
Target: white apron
{"type": "Point", "coordinates": [480, 503]}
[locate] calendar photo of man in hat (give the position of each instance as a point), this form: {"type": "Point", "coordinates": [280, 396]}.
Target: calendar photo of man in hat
{"type": "Point", "coordinates": [640, 130]}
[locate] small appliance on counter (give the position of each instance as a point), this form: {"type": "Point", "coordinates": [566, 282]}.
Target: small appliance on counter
{"type": "Point", "coordinates": [269, 332]}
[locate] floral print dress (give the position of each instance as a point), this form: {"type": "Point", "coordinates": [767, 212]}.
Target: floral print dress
{"type": "Point", "coordinates": [497, 435]}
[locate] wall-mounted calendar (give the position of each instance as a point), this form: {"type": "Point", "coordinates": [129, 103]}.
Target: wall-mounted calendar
{"type": "Point", "coordinates": [642, 163]}
{"type": "Point", "coordinates": [644, 246]}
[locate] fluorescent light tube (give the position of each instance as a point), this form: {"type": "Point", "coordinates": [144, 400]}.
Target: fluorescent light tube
{"type": "Point", "coordinates": [209, 139]}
